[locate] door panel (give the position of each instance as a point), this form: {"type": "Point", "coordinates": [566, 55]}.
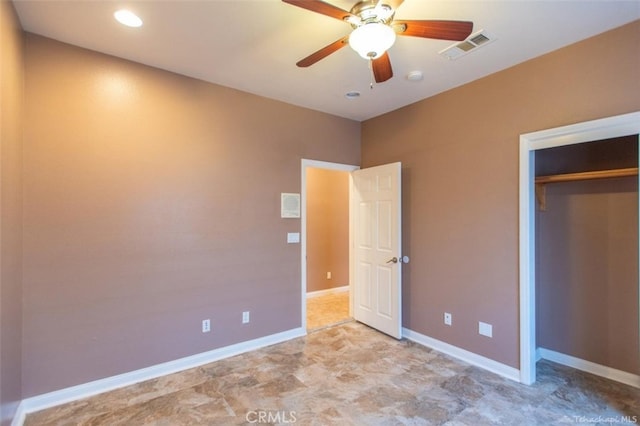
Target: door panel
{"type": "Point", "coordinates": [377, 240]}
{"type": "Point", "coordinates": [364, 290]}
{"type": "Point", "coordinates": [364, 238]}
{"type": "Point", "coordinates": [385, 233]}
{"type": "Point", "coordinates": [385, 288]}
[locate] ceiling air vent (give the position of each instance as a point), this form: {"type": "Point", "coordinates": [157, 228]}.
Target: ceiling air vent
{"type": "Point", "coordinates": [473, 42]}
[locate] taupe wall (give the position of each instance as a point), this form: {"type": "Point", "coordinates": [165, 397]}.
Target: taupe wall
{"type": "Point", "coordinates": [459, 152]}
{"type": "Point", "coordinates": [587, 272]}
{"type": "Point", "coordinates": [152, 202]}
{"type": "Point", "coordinates": [327, 228]}
{"type": "Point", "coordinates": [11, 101]}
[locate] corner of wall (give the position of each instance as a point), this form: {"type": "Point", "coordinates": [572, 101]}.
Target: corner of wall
{"type": "Point", "coordinates": [11, 134]}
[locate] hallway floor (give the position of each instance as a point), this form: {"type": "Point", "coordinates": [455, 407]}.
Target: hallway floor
{"type": "Point", "coordinates": [327, 310]}
{"type": "Point", "coordinates": [352, 375]}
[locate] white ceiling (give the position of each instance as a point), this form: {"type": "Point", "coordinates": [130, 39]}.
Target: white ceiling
{"type": "Point", "coordinates": [253, 45]}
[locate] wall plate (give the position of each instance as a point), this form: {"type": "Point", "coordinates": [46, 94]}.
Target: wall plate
{"type": "Point", "coordinates": [289, 205]}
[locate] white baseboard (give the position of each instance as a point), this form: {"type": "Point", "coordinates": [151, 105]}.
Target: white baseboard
{"type": "Point", "coordinates": [51, 399]}
{"type": "Point", "coordinates": [20, 415]}
{"type": "Point", "coordinates": [334, 290]}
{"type": "Point", "coordinates": [590, 367]}
{"type": "Point", "coordinates": [463, 355]}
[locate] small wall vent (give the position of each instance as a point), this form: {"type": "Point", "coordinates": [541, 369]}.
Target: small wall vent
{"type": "Point", "coordinates": [473, 42]}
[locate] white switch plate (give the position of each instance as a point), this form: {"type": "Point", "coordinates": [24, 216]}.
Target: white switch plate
{"type": "Point", "coordinates": [328, 275]}
{"type": "Point", "coordinates": [293, 237]}
{"type": "Point", "coordinates": [245, 317]}
{"type": "Point", "coordinates": [447, 318]}
{"type": "Point", "coordinates": [206, 326]}
{"type": "Point", "coordinates": [485, 329]}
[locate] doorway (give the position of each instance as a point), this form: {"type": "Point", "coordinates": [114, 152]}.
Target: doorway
{"type": "Point", "coordinates": [325, 243]}
{"type": "Point", "coordinates": [612, 127]}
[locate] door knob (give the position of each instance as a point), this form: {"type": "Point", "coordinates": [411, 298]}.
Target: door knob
{"type": "Point", "coordinates": [393, 260]}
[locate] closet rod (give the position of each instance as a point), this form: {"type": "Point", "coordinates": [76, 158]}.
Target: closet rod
{"type": "Point", "coordinates": [568, 177]}
{"type": "Point", "coordinates": [599, 174]}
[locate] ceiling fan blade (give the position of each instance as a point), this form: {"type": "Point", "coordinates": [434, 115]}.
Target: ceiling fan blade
{"type": "Point", "coordinates": [323, 53]}
{"type": "Point", "coordinates": [323, 8]}
{"type": "Point", "coordinates": [442, 30]}
{"type": "Point", "coordinates": [382, 68]}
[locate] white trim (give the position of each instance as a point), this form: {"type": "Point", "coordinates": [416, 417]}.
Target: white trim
{"type": "Point", "coordinates": [591, 367]}
{"type": "Point", "coordinates": [611, 127]}
{"type": "Point", "coordinates": [304, 164]}
{"type": "Point", "coordinates": [527, 268]}
{"type": "Point", "coordinates": [62, 396]}
{"type": "Point", "coordinates": [20, 415]}
{"type": "Point", "coordinates": [352, 250]}
{"type": "Point", "coordinates": [463, 355]}
{"type": "Point", "coordinates": [538, 355]}
{"type": "Point", "coordinates": [327, 291]}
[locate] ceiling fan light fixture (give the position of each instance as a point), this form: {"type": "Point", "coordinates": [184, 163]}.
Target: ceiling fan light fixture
{"type": "Point", "coordinates": [372, 40]}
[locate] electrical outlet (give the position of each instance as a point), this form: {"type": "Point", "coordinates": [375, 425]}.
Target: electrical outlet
{"type": "Point", "coordinates": [245, 317]}
{"type": "Point", "coordinates": [447, 318]}
{"type": "Point", "coordinates": [206, 326]}
{"type": "Point", "coordinates": [485, 329]}
{"type": "Point", "coordinates": [328, 275]}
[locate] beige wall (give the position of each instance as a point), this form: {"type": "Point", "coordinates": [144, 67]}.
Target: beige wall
{"type": "Point", "coordinates": [327, 228]}
{"type": "Point", "coordinates": [459, 152]}
{"type": "Point", "coordinates": [587, 272]}
{"type": "Point", "coordinates": [152, 202]}
{"type": "Point", "coordinates": [11, 101]}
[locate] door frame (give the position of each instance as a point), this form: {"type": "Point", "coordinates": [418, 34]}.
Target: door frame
{"type": "Point", "coordinates": [315, 164]}
{"type": "Point", "coordinates": [589, 131]}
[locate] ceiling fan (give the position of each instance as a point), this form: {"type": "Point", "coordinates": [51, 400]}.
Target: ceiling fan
{"type": "Point", "coordinates": [375, 29]}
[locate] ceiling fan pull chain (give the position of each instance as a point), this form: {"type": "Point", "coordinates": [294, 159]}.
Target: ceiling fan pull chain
{"type": "Point", "coordinates": [371, 73]}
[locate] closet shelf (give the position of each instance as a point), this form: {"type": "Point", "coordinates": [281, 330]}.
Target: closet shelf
{"type": "Point", "coordinates": [541, 181]}
{"type": "Point", "coordinates": [599, 174]}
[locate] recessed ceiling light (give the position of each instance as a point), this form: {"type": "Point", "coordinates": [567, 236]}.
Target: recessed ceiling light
{"type": "Point", "coordinates": [128, 18]}
{"type": "Point", "coordinates": [352, 95]}
{"type": "Point", "coordinates": [415, 76]}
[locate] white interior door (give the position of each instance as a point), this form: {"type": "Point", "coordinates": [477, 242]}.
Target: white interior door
{"type": "Point", "coordinates": [377, 263]}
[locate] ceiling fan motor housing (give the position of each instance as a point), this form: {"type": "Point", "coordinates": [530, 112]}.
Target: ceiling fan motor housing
{"type": "Point", "coordinates": [369, 11]}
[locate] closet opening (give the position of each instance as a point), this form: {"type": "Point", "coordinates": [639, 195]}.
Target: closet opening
{"type": "Point", "coordinates": [627, 127]}
{"type": "Point", "coordinates": [586, 250]}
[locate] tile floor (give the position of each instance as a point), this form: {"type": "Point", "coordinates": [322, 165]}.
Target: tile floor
{"type": "Point", "coordinates": [350, 374]}
{"type": "Point", "coordinates": [327, 310]}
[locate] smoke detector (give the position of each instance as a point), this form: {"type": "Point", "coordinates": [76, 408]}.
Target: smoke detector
{"type": "Point", "coordinates": [415, 76]}
{"type": "Point", "coordinates": [471, 43]}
